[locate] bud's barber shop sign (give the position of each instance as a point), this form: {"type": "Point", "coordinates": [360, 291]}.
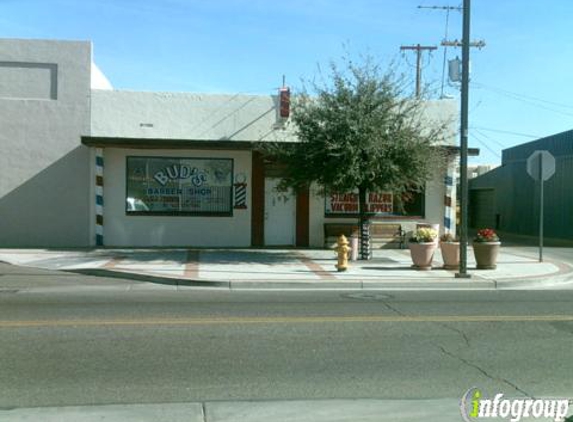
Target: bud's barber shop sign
{"type": "Point", "coordinates": [172, 186]}
{"type": "Point", "coordinates": [347, 203]}
{"type": "Point", "coordinates": [180, 172]}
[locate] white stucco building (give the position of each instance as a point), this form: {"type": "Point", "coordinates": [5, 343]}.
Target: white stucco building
{"type": "Point", "coordinates": [86, 165]}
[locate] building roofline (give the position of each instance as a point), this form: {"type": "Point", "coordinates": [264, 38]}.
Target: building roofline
{"type": "Point", "coordinates": [161, 143]}
{"type": "Point", "coordinates": [452, 149]}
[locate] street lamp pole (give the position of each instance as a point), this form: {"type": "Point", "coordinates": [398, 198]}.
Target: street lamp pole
{"type": "Point", "coordinates": [464, 142]}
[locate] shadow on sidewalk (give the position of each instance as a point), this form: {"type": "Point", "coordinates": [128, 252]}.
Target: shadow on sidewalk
{"type": "Point", "coordinates": [168, 281]}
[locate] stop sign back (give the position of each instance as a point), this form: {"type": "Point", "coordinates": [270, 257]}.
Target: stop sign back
{"type": "Point", "coordinates": [541, 165]}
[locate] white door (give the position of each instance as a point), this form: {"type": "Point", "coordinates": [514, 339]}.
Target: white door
{"type": "Point", "coordinates": [280, 215]}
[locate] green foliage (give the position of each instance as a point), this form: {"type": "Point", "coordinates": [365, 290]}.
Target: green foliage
{"type": "Point", "coordinates": [359, 131]}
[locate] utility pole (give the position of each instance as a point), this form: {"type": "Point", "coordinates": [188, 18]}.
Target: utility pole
{"type": "Point", "coordinates": [447, 9]}
{"type": "Point", "coordinates": [465, 44]}
{"type": "Point", "coordinates": [419, 49]}
{"type": "Point", "coordinates": [463, 273]}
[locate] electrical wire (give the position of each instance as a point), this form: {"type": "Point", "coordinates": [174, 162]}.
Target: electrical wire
{"type": "Point", "coordinates": [529, 97]}
{"type": "Point", "coordinates": [489, 138]}
{"type": "Point", "coordinates": [482, 142]}
{"type": "Point", "coordinates": [535, 102]}
{"type": "Point", "coordinates": [214, 113]}
{"type": "Point", "coordinates": [227, 116]}
{"type": "Point", "coordinates": [508, 132]}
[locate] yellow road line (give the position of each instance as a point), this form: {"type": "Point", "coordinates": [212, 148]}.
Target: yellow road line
{"type": "Point", "coordinates": [280, 320]}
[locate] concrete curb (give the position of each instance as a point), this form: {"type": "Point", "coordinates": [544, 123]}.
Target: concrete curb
{"type": "Point", "coordinates": [537, 283]}
{"type": "Point", "coordinates": [299, 284]}
{"type": "Point", "coordinates": [170, 281]}
{"type": "Point", "coordinates": [428, 284]}
{"type": "Point", "coordinates": [174, 412]}
{"type": "Point", "coordinates": [335, 410]}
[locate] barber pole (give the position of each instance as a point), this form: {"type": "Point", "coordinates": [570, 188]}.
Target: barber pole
{"type": "Point", "coordinates": [99, 196]}
{"type": "Point", "coordinates": [240, 196]}
{"type": "Point", "coordinates": [449, 219]}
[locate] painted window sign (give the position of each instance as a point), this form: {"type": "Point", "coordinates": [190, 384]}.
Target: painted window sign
{"type": "Point", "coordinates": [180, 172]}
{"type": "Point", "coordinates": [347, 203]}
{"type": "Point", "coordinates": [186, 186]}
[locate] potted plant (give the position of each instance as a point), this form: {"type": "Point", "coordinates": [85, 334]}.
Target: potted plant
{"type": "Point", "coordinates": [450, 247]}
{"type": "Point", "coordinates": [422, 247]}
{"type": "Point", "coordinates": [486, 249]}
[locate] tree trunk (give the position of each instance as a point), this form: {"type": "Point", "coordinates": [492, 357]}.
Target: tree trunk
{"type": "Point", "coordinates": [365, 250]}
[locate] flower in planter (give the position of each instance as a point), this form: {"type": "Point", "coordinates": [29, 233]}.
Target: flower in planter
{"type": "Point", "coordinates": [486, 248]}
{"type": "Point", "coordinates": [448, 238]}
{"type": "Point", "coordinates": [486, 235]}
{"type": "Point", "coordinates": [450, 247]}
{"type": "Point", "coordinates": [422, 246]}
{"type": "Point", "coordinates": [424, 235]}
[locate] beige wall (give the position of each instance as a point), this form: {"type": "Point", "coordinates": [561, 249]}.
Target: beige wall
{"type": "Point", "coordinates": [175, 115]}
{"type": "Point", "coordinates": [184, 231]}
{"type": "Point", "coordinates": [44, 170]}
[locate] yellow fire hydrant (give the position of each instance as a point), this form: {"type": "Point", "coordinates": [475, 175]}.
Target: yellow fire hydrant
{"type": "Point", "coordinates": [342, 250]}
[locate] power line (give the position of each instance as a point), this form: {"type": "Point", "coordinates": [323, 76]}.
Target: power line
{"type": "Point", "coordinates": [526, 100]}
{"type": "Point", "coordinates": [489, 138]}
{"type": "Point", "coordinates": [525, 135]}
{"type": "Point", "coordinates": [475, 106]}
{"type": "Point", "coordinates": [227, 116]}
{"type": "Point", "coordinates": [486, 145]}
{"type": "Point", "coordinates": [493, 88]}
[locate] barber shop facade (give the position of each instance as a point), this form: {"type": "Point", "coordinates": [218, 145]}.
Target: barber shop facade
{"type": "Point", "coordinates": [155, 169]}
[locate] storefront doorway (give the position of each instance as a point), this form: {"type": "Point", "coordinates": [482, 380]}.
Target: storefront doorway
{"type": "Point", "coordinates": [280, 215]}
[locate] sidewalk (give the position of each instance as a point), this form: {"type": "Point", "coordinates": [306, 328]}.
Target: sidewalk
{"type": "Point", "coordinates": [366, 410]}
{"type": "Point", "coordinates": [292, 268]}
{"type": "Point", "coordinates": [440, 410]}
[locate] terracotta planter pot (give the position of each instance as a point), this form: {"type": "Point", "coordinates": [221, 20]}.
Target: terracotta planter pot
{"type": "Point", "coordinates": [422, 255]}
{"type": "Point", "coordinates": [486, 255]}
{"type": "Point", "coordinates": [450, 255]}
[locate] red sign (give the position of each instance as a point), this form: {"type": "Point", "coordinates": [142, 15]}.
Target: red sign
{"type": "Point", "coordinates": [284, 103]}
{"type": "Point", "coordinates": [347, 203]}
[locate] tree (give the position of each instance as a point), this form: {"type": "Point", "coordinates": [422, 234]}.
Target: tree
{"type": "Point", "coordinates": [358, 131]}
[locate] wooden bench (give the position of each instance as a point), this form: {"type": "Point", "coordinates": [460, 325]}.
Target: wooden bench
{"type": "Point", "coordinates": [387, 236]}
{"type": "Point", "coordinates": [333, 230]}
{"type": "Point", "coordinates": [382, 235]}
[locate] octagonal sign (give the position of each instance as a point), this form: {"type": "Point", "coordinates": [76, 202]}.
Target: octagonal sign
{"type": "Point", "coordinates": [541, 165]}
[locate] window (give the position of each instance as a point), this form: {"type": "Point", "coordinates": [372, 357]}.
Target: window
{"type": "Point", "coordinates": [414, 205]}
{"type": "Point", "coordinates": [382, 204]}
{"type": "Point", "coordinates": [179, 186]}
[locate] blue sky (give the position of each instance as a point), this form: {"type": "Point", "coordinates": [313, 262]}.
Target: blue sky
{"type": "Point", "coordinates": [520, 82]}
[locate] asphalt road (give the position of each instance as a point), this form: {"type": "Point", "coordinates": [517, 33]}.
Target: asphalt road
{"type": "Point", "coordinates": [202, 345]}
